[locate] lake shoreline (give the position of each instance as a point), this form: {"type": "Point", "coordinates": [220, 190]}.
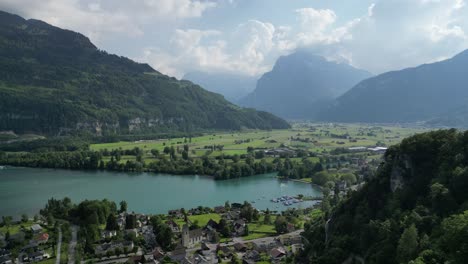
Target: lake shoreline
{"type": "Point", "coordinates": [26, 190]}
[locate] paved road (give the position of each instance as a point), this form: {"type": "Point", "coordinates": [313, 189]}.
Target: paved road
{"type": "Point", "coordinates": [265, 240]}
{"type": "Point", "coordinates": [72, 245]}
{"type": "Point", "coordinates": [59, 245]}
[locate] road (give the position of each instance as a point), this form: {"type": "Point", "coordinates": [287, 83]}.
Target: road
{"type": "Point", "coordinates": [72, 245]}
{"type": "Point", "coordinates": [265, 240]}
{"type": "Point", "coordinates": [59, 245]}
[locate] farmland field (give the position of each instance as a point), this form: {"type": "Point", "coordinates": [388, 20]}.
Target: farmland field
{"type": "Point", "coordinates": [318, 138]}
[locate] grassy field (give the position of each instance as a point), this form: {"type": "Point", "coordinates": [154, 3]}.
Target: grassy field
{"type": "Point", "coordinates": [202, 219]}
{"type": "Point", "coordinates": [15, 228]}
{"type": "Point", "coordinates": [319, 138]}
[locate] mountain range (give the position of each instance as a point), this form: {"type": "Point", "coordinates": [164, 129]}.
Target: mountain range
{"type": "Point", "coordinates": [55, 81]}
{"type": "Point", "coordinates": [435, 92]}
{"type": "Point", "coordinates": [301, 84]}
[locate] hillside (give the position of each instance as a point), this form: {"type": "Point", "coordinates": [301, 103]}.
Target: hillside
{"type": "Point", "coordinates": [55, 81]}
{"type": "Point", "coordinates": [415, 210]}
{"type": "Point", "coordinates": [415, 94]}
{"type": "Point", "coordinates": [300, 84]}
{"type": "Point", "coordinates": [232, 86]}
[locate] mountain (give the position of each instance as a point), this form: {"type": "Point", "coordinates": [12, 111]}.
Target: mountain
{"type": "Point", "coordinates": [55, 81]}
{"type": "Point", "coordinates": [232, 86]}
{"type": "Point", "coordinates": [300, 84]}
{"type": "Point", "coordinates": [414, 94]}
{"type": "Point", "coordinates": [414, 210]}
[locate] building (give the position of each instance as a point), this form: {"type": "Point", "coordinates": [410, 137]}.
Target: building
{"type": "Point", "coordinates": [36, 228]}
{"type": "Point", "coordinates": [108, 234]}
{"type": "Point", "coordinates": [357, 149]}
{"type": "Point", "coordinates": [379, 150]}
{"type": "Point", "coordinates": [123, 246]}
{"type": "Point", "coordinates": [174, 226]}
{"type": "Point", "coordinates": [238, 227]}
{"type": "Point", "coordinates": [42, 238]}
{"type": "Point", "coordinates": [277, 253]}
{"type": "Point", "coordinates": [191, 237]}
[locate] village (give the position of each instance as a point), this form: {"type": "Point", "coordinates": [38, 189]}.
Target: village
{"type": "Point", "coordinates": [233, 233]}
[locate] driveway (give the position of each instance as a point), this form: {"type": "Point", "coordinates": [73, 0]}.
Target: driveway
{"type": "Point", "coordinates": [72, 245]}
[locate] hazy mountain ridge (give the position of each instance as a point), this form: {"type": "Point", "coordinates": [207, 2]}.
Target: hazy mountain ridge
{"type": "Point", "coordinates": [232, 86]}
{"type": "Point", "coordinates": [301, 84]}
{"type": "Point", "coordinates": [414, 94]}
{"type": "Point", "coordinates": [56, 81]}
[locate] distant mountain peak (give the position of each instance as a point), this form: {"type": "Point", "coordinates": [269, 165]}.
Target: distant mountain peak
{"type": "Point", "coordinates": [301, 83]}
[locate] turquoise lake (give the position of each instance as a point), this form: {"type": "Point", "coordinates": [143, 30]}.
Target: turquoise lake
{"type": "Point", "coordinates": [26, 190]}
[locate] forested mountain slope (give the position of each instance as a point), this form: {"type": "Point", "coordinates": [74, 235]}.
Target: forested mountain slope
{"type": "Point", "coordinates": [415, 210]}
{"type": "Point", "coordinates": [422, 93]}
{"type": "Point", "coordinates": [55, 81]}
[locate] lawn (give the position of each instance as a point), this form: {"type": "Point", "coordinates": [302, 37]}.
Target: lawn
{"type": "Point", "coordinates": [15, 228]}
{"type": "Point", "coordinates": [259, 229]}
{"type": "Point", "coordinates": [202, 219]}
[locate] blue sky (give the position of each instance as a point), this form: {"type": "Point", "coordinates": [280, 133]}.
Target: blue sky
{"type": "Point", "coordinates": [247, 36]}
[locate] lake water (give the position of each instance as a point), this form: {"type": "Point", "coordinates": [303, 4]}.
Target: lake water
{"type": "Point", "coordinates": [26, 190]}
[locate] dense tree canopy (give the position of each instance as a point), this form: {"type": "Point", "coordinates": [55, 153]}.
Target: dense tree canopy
{"type": "Point", "coordinates": [413, 211]}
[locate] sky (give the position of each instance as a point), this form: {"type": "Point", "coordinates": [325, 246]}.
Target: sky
{"type": "Point", "coordinates": [247, 36]}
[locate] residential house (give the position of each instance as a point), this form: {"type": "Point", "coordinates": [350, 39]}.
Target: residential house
{"type": "Point", "coordinates": [158, 254]}
{"type": "Point", "coordinates": [108, 234]}
{"type": "Point", "coordinates": [102, 249]}
{"type": "Point", "coordinates": [175, 213]}
{"type": "Point", "coordinates": [251, 257]}
{"type": "Point", "coordinates": [36, 256]}
{"type": "Point", "coordinates": [212, 224]}
{"type": "Point", "coordinates": [240, 247]}
{"type": "Point", "coordinates": [232, 215]}
{"type": "Point", "coordinates": [238, 227]}
{"type": "Point", "coordinates": [42, 238]}
{"type": "Point", "coordinates": [179, 254]}
{"type": "Point", "coordinates": [173, 225]}
{"type": "Point", "coordinates": [277, 253]}
{"type": "Point", "coordinates": [220, 209]}
{"type": "Point", "coordinates": [36, 229]}
{"type": "Point", "coordinates": [262, 246]}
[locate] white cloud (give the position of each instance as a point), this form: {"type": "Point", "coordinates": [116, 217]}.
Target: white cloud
{"type": "Point", "coordinates": [388, 35]}
{"type": "Point", "coordinates": [102, 18]}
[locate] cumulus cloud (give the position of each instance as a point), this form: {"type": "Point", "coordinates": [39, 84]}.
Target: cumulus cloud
{"type": "Point", "coordinates": [404, 33]}
{"type": "Point", "coordinates": [386, 35]}
{"type": "Point", "coordinates": [101, 18]}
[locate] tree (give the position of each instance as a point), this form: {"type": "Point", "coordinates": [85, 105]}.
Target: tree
{"type": "Point", "coordinates": [246, 230]}
{"type": "Point", "coordinates": [408, 244]}
{"type": "Point", "coordinates": [7, 220]}
{"type": "Point", "coordinates": [112, 223]}
{"type": "Point", "coordinates": [281, 225]}
{"type": "Point", "coordinates": [130, 221]}
{"type": "Point", "coordinates": [167, 150]}
{"type": "Point", "coordinates": [454, 239]}
{"type": "Point", "coordinates": [24, 218]}
{"type": "Point", "coordinates": [224, 228]}
{"type": "Point", "coordinates": [123, 206]}
{"type": "Point", "coordinates": [185, 155]}
{"type": "Point", "coordinates": [267, 217]}
{"type": "Point", "coordinates": [215, 238]}
{"type": "Point", "coordinates": [118, 251]}
{"type": "Point", "coordinates": [155, 152]}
